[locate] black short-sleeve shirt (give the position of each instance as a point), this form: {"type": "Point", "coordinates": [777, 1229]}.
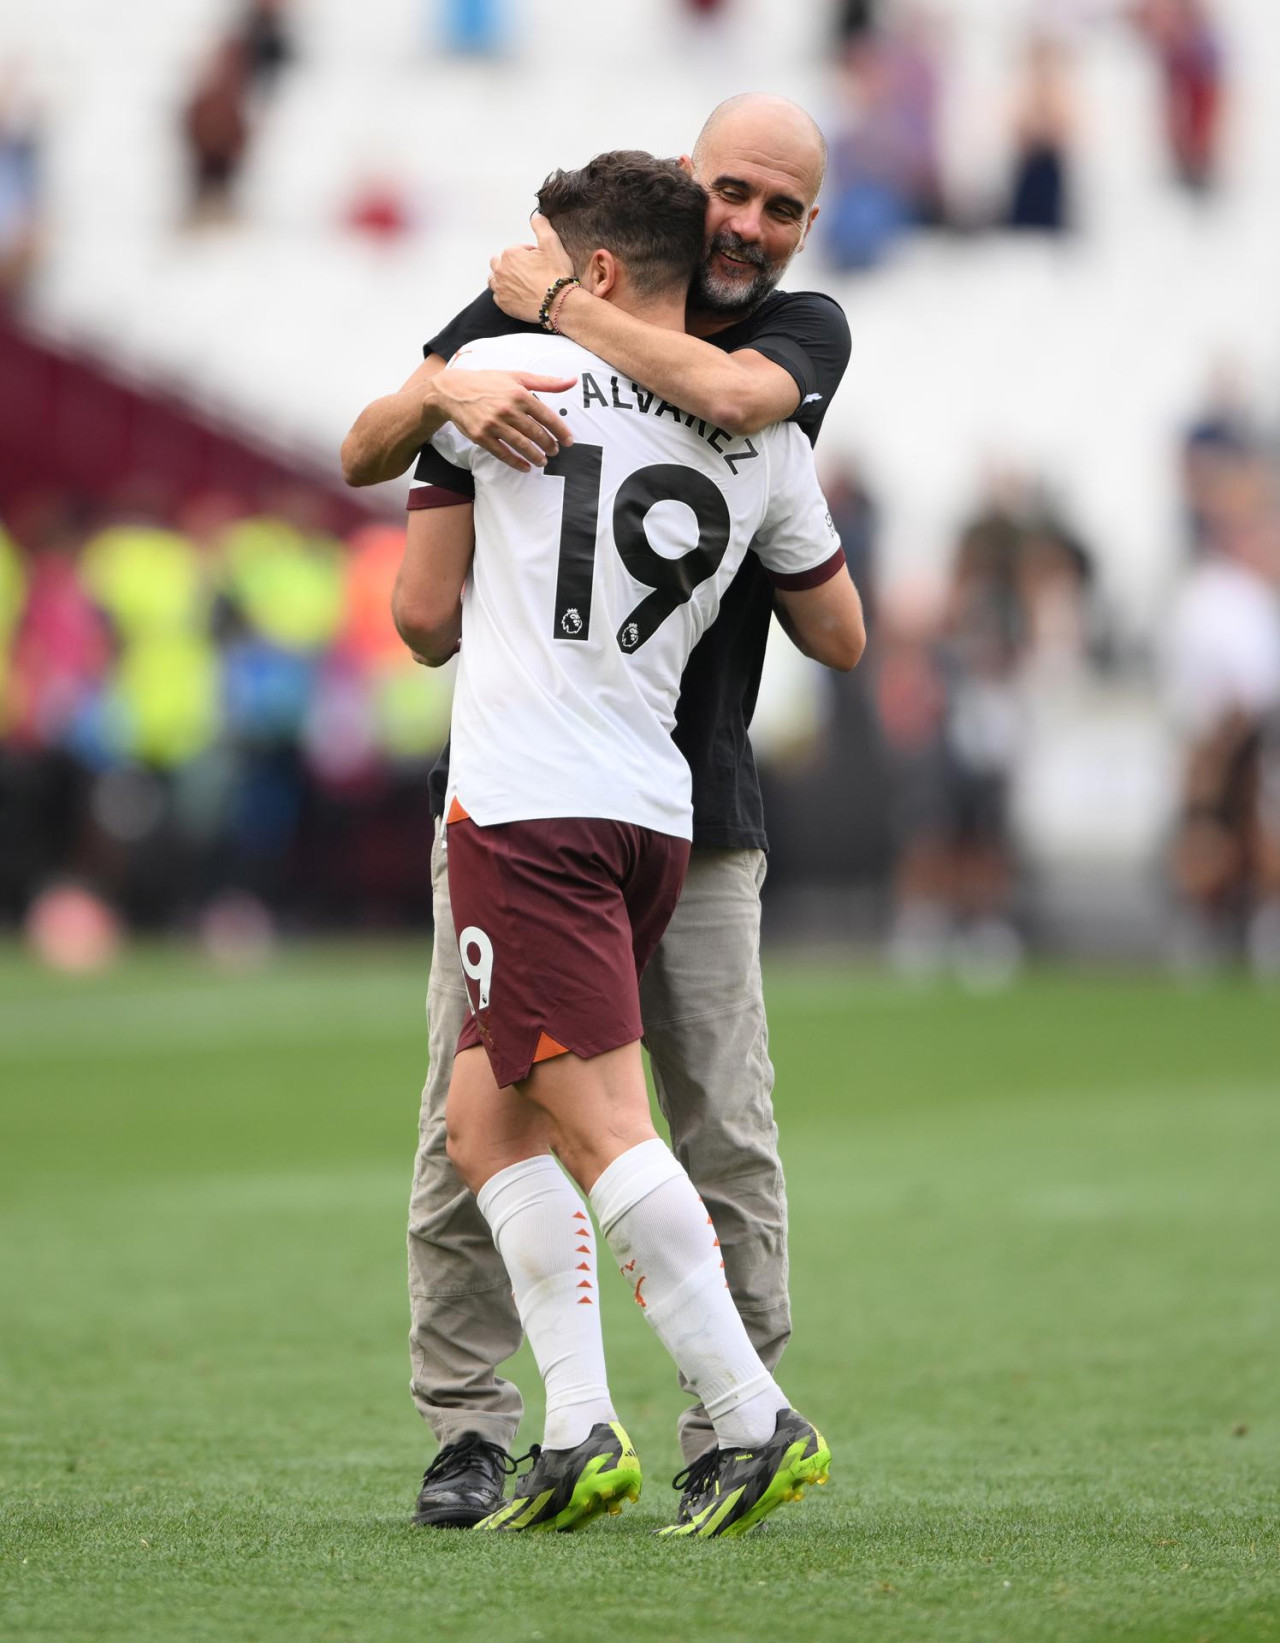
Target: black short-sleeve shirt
{"type": "Point", "coordinates": [806, 333]}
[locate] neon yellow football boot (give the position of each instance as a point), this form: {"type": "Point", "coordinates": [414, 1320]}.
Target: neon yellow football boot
{"type": "Point", "coordinates": [728, 1491]}
{"type": "Point", "coordinates": [565, 1488]}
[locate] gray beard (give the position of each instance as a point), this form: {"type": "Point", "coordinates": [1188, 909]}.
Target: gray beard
{"type": "Point", "coordinates": [726, 298]}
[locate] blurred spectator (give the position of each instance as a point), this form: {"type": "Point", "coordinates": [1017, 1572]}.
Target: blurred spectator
{"type": "Point", "coordinates": [1043, 136]}
{"type": "Point", "coordinates": [911, 692]}
{"type": "Point", "coordinates": [379, 209]}
{"type": "Point", "coordinates": [212, 722]}
{"type": "Point", "coordinates": [13, 594]}
{"type": "Point", "coordinates": [1224, 691]}
{"type": "Point", "coordinates": [59, 654]}
{"type": "Point", "coordinates": [856, 518]}
{"type": "Point", "coordinates": [268, 43]}
{"type": "Point", "coordinates": [474, 28]}
{"type": "Point", "coordinates": [824, 795]}
{"type": "Point", "coordinates": [409, 712]}
{"type": "Point", "coordinates": [1063, 627]}
{"type": "Point", "coordinates": [855, 18]}
{"type": "Point", "coordinates": [216, 127]}
{"type": "Point", "coordinates": [62, 649]}
{"type": "Point", "coordinates": [286, 582]}
{"type": "Point", "coordinates": [1219, 435]}
{"type": "Point", "coordinates": [1184, 36]}
{"type": "Point", "coordinates": [949, 714]}
{"type": "Point", "coordinates": [883, 177]}
{"type": "Point", "coordinates": [954, 664]}
{"type": "Point", "coordinates": [19, 187]}
{"type": "Point", "coordinates": [165, 684]}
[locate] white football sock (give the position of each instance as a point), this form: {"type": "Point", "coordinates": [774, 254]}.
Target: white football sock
{"type": "Point", "coordinates": [545, 1239]}
{"type": "Point", "coordinates": [662, 1238]}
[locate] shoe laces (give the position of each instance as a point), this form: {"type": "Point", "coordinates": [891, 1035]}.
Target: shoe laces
{"type": "Point", "coordinates": [697, 1476]}
{"type": "Point", "coordinates": [461, 1455]}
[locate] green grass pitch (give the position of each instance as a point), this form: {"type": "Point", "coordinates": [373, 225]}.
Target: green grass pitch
{"type": "Point", "coordinates": [1036, 1276]}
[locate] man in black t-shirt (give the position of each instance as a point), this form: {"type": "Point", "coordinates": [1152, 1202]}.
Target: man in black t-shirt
{"type": "Point", "coordinates": [754, 355]}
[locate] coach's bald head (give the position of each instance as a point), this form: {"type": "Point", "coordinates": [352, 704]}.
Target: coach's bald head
{"type": "Point", "coordinates": [761, 159]}
{"type": "Point", "coordinates": [775, 125]}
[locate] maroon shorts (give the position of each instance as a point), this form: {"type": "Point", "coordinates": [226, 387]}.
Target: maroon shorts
{"type": "Point", "coordinates": [556, 920]}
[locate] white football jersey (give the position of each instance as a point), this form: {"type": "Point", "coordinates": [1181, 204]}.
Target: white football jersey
{"type": "Point", "coordinates": [593, 579]}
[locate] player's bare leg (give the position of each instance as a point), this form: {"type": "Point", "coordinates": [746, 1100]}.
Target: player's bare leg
{"type": "Point", "coordinates": [596, 1110]}
{"type": "Point", "coordinates": [500, 1143]}
{"type": "Point", "coordinates": [665, 1245]}
{"type": "Point", "coordinates": [463, 1319]}
{"type": "Point", "coordinates": [659, 1231]}
{"type": "Point", "coordinates": [489, 1128]}
{"type": "Point", "coordinates": [705, 1029]}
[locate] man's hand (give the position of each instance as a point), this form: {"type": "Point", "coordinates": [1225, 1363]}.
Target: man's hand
{"type": "Point", "coordinates": [499, 412]}
{"type": "Point", "coordinates": [523, 274]}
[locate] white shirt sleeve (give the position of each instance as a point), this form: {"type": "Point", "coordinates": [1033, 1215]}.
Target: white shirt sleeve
{"type": "Point", "coordinates": [454, 446]}
{"type": "Point", "coordinates": [797, 542]}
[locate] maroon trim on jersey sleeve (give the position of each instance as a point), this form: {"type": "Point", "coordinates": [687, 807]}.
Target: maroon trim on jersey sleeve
{"type": "Point", "coordinates": [800, 581]}
{"type": "Point", "coordinates": [435, 496]}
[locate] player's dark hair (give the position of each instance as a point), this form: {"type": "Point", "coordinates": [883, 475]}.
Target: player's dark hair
{"type": "Point", "coordinates": [649, 213]}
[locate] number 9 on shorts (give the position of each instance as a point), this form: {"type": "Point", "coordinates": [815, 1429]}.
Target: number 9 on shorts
{"type": "Point", "coordinates": [476, 951]}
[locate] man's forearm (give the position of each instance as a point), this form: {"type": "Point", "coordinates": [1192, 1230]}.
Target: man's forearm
{"type": "Point", "coordinates": [783, 618]}
{"type": "Point", "coordinates": [499, 410]}
{"type": "Point", "coordinates": [685, 370]}
{"type": "Point", "coordinates": [426, 602]}
{"type": "Point", "coordinates": [387, 435]}
{"type": "Point", "coordinates": [429, 624]}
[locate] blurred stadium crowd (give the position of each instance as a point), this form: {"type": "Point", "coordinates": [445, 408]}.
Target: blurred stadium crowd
{"type": "Point", "coordinates": [888, 175]}
{"type": "Point", "coordinates": [207, 722]}
{"type": "Point", "coordinates": [210, 721]}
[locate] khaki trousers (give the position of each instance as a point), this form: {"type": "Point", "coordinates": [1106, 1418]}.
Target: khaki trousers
{"type": "Point", "coordinates": [703, 1009]}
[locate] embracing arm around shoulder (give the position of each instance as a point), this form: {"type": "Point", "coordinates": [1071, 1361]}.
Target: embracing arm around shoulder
{"type": "Point", "coordinates": [498, 410]}
{"type": "Point", "coordinates": [389, 432]}
{"type": "Point", "coordinates": [427, 603]}
{"type": "Point", "coordinates": [825, 622]}
{"type": "Point", "coordinates": [740, 392]}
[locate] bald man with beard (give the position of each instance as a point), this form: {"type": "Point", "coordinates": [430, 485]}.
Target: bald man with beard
{"type": "Point", "coordinates": [752, 356]}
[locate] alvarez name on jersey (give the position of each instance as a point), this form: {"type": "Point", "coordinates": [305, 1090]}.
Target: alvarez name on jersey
{"type": "Point", "coordinates": [593, 579]}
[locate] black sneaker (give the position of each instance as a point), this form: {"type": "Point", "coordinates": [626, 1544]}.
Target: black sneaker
{"type": "Point", "coordinates": [565, 1488]}
{"type": "Point", "coordinates": [728, 1491]}
{"type": "Point", "coordinates": [463, 1483]}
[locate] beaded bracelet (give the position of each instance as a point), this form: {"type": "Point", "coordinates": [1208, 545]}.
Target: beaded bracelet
{"type": "Point", "coordinates": [553, 291]}
{"type": "Point", "coordinates": [558, 305]}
